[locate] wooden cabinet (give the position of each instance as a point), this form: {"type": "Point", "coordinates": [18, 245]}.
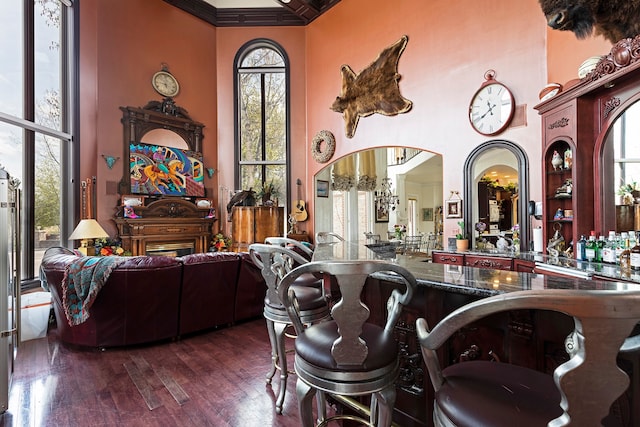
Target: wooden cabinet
{"type": "Point", "coordinates": [568, 183]}
{"type": "Point", "coordinates": [523, 266]}
{"type": "Point", "coordinates": [492, 262]}
{"type": "Point", "coordinates": [300, 237]}
{"type": "Point", "coordinates": [447, 258]}
{"type": "Point", "coordinates": [582, 118]}
{"type": "Point", "coordinates": [253, 224]}
{"type": "Point", "coordinates": [470, 260]}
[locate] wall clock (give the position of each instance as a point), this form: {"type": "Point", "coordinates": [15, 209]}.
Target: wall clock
{"type": "Point", "coordinates": [491, 107]}
{"type": "Point", "coordinates": [165, 83]}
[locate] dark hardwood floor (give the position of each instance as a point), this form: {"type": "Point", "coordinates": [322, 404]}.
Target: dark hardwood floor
{"type": "Point", "coordinates": [211, 379]}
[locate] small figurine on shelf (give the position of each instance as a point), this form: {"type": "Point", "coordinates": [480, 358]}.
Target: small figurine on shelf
{"type": "Point", "coordinates": [557, 161]}
{"type": "Point", "coordinates": [212, 213]}
{"type": "Point", "coordinates": [559, 214]}
{"type": "Point", "coordinates": [130, 213]}
{"type": "Point", "coordinates": [568, 159]}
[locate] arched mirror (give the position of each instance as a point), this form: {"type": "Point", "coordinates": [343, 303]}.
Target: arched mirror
{"type": "Point", "coordinates": [620, 182]}
{"type": "Point", "coordinates": [496, 194]}
{"type": "Point", "coordinates": [372, 191]}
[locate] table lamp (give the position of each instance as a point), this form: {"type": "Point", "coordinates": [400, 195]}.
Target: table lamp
{"type": "Point", "coordinates": [86, 231]}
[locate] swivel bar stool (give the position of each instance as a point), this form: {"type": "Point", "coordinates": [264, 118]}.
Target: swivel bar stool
{"type": "Point", "coordinates": [347, 356]}
{"type": "Point", "coordinates": [274, 261]}
{"type": "Point", "coordinates": [579, 393]}
{"type": "Point", "coordinates": [296, 245]}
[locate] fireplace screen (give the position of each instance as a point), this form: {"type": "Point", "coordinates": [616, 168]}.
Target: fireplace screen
{"type": "Point", "coordinates": [170, 249]}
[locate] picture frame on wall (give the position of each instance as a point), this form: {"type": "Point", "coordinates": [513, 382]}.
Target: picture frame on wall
{"type": "Point", "coordinates": [381, 214]}
{"type": "Point", "coordinates": [454, 208]}
{"type": "Point", "coordinates": [322, 188]}
{"type": "Point", "coordinates": [427, 214]}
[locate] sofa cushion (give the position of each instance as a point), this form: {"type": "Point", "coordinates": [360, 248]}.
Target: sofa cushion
{"type": "Point", "coordinates": [208, 290]}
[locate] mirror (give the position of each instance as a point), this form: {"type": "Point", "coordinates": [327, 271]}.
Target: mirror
{"type": "Point", "coordinates": [496, 194]}
{"type": "Point", "coordinates": [414, 176]}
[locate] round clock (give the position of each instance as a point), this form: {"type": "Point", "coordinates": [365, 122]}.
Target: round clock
{"type": "Point", "coordinates": [492, 106]}
{"type": "Point", "coordinates": [165, 84]}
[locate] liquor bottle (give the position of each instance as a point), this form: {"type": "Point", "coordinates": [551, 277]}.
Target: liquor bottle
{"type": "Point", "coordinates": [580, 247]}
{"type": "Point", "coordinates": [635, 256]}
{"type": "Point", "coordinates": [609, 250]}
{"type": "Point", "coordinates": [591, 247]}
{"type": "Point", "coordinates": [624, 238]}
{"type": "Point", "coordinates": [600, 248]}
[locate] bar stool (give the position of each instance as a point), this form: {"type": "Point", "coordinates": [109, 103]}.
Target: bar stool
{"type": "Point", "coordinates": [328, 237]}
{"type": "Point", "coordinates": [579, 393]}
{"type": "Point", "coordinates": [274, 261]}
{"type": "Point", "coordinates": [347, 356]}
{"type": "Point", "coordinates": [296, 245]}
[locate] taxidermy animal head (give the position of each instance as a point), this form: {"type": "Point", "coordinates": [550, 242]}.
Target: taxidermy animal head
{"type": "Point", "coordinates": [613, 19]}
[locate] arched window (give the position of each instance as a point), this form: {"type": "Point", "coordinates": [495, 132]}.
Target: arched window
{"type": "Point", "coordinates": [262, 118]}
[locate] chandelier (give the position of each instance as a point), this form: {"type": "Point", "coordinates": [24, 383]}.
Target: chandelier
{"type": "Point", "coordinates": [385, 199]}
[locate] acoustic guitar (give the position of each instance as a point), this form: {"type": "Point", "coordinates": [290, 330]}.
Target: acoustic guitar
{"type": "Point", "coordinates": [299, 210]}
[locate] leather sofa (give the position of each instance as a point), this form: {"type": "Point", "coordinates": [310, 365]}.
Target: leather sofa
{"type": "Point", "coordinates": [148, 299]}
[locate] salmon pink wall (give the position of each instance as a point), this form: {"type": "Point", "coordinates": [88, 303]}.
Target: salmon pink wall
{"type": "Point", "coordinates": [123, 43]}
{"type": "Point", "coordinates": [451, 46]}
{"type": "Point", "coordinates": [565, 53]}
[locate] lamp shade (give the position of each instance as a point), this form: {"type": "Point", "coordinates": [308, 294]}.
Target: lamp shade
{"type": "Point", "coordinates": [88, 229]}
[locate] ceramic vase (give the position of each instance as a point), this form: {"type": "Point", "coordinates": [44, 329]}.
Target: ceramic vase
{"type": "Point", "coordinates": [462, 244]}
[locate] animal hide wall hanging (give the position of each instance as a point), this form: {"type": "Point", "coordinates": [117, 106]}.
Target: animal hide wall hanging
{"type": "Point", "coordinates": [374, 90]}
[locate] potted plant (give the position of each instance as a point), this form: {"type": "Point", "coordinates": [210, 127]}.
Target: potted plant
{"type": "Point", "coordinates": [267, 193]}
{"type": "Point", "coordinates": [462, 241]}
{"type": "Point", "coordinates": [629, 192]}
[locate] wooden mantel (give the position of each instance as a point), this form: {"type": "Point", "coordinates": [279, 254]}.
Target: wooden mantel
{"type": "Point", "coordinates": [165, 222]}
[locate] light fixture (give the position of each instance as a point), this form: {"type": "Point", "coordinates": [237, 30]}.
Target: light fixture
{"type": "Point", "coordinates": [86, 231]}
{"type": "Point", "coordinates": [385, 199]}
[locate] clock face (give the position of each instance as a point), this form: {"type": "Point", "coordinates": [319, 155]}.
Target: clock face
{"type": "Point", "coordinates": [165, 84]}
{"type": "Point", "coordinates": [491, 109]}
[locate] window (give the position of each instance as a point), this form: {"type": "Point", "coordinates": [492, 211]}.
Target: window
{"type": "Point", "coordinates": [626, 132]}
{"type": "Point", "coordinates": [262, 117]}
{"type": "Point", "coordinates": [35, 119]}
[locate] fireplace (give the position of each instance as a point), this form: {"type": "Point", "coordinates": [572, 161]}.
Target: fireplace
{"type": "Point", "coordinates": [174, 249]}
{"type": "Point", "coordinates": [166, 226]}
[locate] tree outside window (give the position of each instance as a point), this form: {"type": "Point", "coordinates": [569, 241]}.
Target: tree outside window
{"type": "Point", "coordinates": [262, 118]}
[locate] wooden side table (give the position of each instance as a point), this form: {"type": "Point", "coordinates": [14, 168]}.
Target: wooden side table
{"type": "Point", "coordinates": [301, 237]}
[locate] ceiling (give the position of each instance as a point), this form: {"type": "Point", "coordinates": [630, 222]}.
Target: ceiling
{"type": "Point", "coordinates": [244, 13]}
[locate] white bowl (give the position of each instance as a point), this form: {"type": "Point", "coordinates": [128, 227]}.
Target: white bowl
{"type": "Point", "coordinates": [549, 91]}
{"type": "Point", "coordinates": [588, 66]}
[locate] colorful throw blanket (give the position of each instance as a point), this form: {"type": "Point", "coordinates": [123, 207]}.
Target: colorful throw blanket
{"type": "Point", "coordinates": [82, 281]}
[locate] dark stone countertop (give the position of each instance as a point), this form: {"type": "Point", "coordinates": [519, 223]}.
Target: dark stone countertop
{"type": "Point", "coordinates": [468, 280]}
{"type": "Point", "coordinates": [563, 265]}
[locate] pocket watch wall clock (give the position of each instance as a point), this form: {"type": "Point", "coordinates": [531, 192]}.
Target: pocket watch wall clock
{"type": "Point", "coordinates": [492, 106]}
{"type": "Point", "coordinates": [165, 83]}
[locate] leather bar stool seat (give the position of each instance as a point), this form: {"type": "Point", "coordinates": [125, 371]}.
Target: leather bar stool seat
{"type": "Point", "coordinates": [484, 393]}
{"type": "Point", "coordinates": [314, 348]}
{"type": "Point", "coordinates": [580, 392]}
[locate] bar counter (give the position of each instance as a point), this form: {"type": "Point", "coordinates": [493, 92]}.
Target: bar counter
{"type": "Point", "coordinates": [531, 338]}
{"type": "Point", "coordinates": [480, 282]}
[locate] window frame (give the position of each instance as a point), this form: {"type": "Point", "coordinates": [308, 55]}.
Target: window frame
{"type": "Point", "coordinates": [238, 163]}
{"type": "Point", "coordinates": [69, 86]}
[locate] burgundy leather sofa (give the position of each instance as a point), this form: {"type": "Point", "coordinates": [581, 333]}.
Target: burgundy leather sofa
{"type": "Point", "coordinates": [148, 299]}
